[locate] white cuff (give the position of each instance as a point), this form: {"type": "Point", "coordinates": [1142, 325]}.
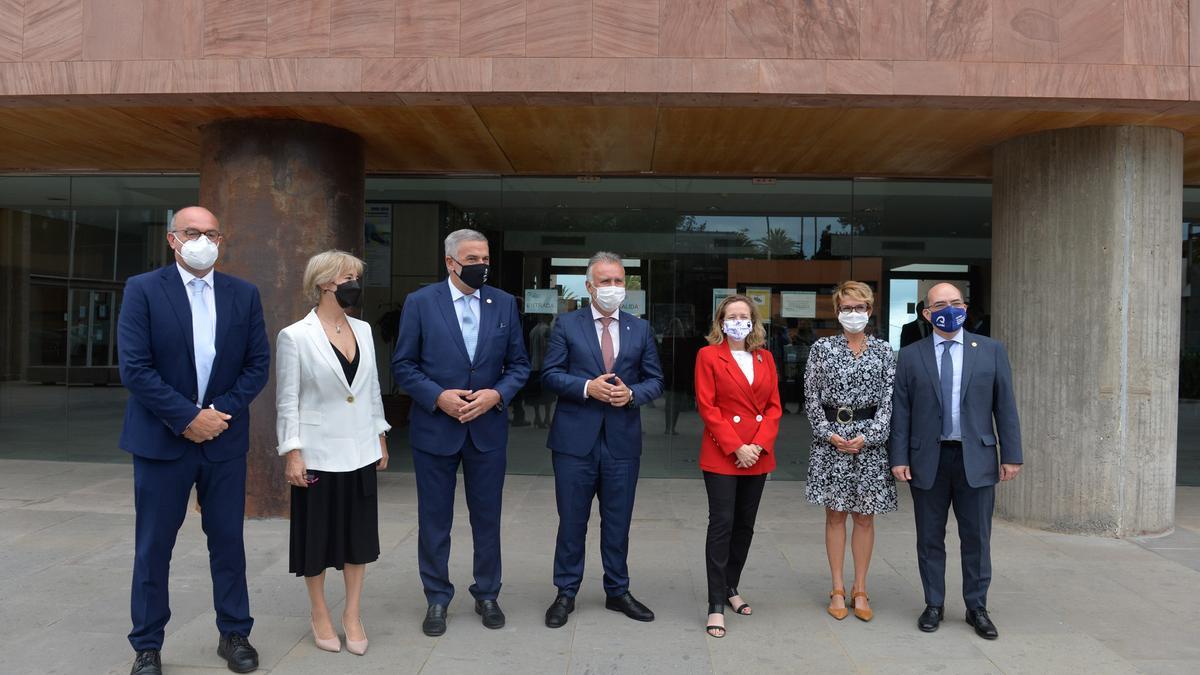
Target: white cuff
{"type": "Point", "coordinates": [288, 446]}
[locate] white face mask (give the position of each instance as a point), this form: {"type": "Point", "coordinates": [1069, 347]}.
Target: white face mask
{"type": "Point", "coordinates": [200, 254]}
{"type": "Point", "coordinates": [737, 329]}
{"type": "Point", "coordinates": [609, 298]}
{"type": "Point", "coordinates": [853, 322]}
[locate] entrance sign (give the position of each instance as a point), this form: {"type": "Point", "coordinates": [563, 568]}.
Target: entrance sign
{"type": "Point", "coordinates": [541, 301]}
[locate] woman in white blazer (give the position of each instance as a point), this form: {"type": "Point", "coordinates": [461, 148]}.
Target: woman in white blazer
{"type": "Point", "coordinates": [331, 428]}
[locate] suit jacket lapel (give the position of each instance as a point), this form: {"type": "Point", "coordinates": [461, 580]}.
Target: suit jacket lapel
{"type": "Point", "coordinates": [926, 349]}
{"type": "Point", "coordinates": [588, 326]}
{"type": "Point", "coordinates": [180, 303]}
{"type": "Point", "coordinates": [625, 328]}
{"type": "Point", "coordinates": [762, 393]}
{"type": "Point", "coordinates": [487, 314]}
{"type": "Point", "coordinates": [316, 333]}
{"type": "Point", "coordinates": [445, 304]}
{"type": "Point", "coordinates": [223, 297]}
{"type": "Point", "coordinates": [968, 367]}
{"type": "Point", "coordinates": [735, 372]}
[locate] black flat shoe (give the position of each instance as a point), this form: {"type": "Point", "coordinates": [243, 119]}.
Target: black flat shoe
{"type": "Point", "coordinates": [238, 654]}
{"type": "Point", "coordinates": [930, 618]}
{"type": "Point", "coordinates": [492, 615]}
{"type": "Point", "coordinates": [716, 608]}
{"type": "Point", "coordinates": [147, 663]}
{"type": "Point", "coordinates": [435, 621]}
{"type": "Point", "coordinates": [556, 615]}
{"type": "Point", "coordinates": [629, 606]}
{"type": "Point", "coordinates": [743, 609]}
{"type": "Point", "coordinates": [982, 623]}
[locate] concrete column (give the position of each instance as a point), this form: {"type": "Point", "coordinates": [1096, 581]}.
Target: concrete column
{"type": "Point", "coordinates": [1086, 292]}
{"type": "Point", "coordinates": [283, 191]}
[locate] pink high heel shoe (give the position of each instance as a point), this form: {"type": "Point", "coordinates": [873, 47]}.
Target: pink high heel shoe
{"type": "Point", "coordinates": [357, 647]}
{"type": "Point", "coordinates": [333, 644]}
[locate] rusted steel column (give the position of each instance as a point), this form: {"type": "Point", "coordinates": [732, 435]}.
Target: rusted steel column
{"type": "Point", "coordinates": [282, 190]}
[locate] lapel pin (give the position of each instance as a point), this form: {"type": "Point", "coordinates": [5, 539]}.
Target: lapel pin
{"type": "Point", "coordinates": [488, 301]}
{"type": "Point", "coordinates": [974, 344]}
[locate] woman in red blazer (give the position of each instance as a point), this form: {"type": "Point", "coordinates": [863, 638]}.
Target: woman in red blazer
{"type": "Point", "coordinates": [737, 395]}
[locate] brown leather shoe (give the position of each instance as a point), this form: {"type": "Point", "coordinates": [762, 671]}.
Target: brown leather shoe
{"type": "Point", "coordinates": [861, 613]}
{"type": "Point", "coordinates": [838, 613]}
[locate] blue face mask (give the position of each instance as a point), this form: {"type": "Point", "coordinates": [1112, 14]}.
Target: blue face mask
{"type": "Point", "coordinates": [949, 319]}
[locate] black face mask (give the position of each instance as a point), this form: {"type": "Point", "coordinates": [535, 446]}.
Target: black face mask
{"type": "Point", "coordinates": [348, 294]}
{"type": "Point", "coordinates": [474, 276]}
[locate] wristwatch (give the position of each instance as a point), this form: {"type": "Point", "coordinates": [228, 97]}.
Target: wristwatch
{"type": "Point", "coordinates": [630, 404]}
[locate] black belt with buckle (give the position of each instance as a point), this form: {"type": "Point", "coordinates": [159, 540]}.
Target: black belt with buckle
{"type": "Point", "coordinates": [846, 414]}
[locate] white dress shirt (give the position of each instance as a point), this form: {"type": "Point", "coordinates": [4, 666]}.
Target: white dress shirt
{"type": "Point", "coordinates": [745, 361]}
{"type": "Point", "coordinates": [204, 353]}
{"type": "Point", "coordinates": [956, 355]}
{"type": "Point", "coordinates": [614, 329]}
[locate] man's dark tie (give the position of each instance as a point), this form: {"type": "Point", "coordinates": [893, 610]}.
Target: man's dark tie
{"type": "Point", "coordinates": [947, 376]}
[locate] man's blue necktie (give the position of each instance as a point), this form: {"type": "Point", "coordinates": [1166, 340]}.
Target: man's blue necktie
{"type": "Point", "coordinates": [947, 376]}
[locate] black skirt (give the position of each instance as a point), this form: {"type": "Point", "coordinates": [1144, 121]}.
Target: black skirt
{"type": "Point", "coordinates": [335, 521]}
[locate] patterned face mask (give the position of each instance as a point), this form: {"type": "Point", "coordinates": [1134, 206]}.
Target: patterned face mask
{"type": "Point", "coordinates": [737, 329]}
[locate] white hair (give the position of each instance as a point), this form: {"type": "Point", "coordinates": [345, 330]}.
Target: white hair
{"type": "Point", "coordinates": [459, 236]}
{"type": "Point", "coordinates": [602, 257]}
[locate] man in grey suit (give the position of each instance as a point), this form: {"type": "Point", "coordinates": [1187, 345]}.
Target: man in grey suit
{"type": "Point", "coordinates": [951, 388]}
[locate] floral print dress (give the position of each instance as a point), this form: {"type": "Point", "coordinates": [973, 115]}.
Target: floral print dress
{"type": "Point", "coordinates": [860, 483]}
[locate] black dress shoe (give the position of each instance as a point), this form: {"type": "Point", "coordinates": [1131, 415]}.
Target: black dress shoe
{"type": "Point", "coordinates": [435, 621]}
{"type": "Point", "coordinates": [982, 623]}
{"type": "Point", "coordinates": [147, 663]}
{"type": "Point", "coordinates": [630, 607]}
{"type": "Point", "coordinates": [930, 618]}
{"type": "Point", "coordinates": [238, 654]}
{"type": "Point", "coordinates": [492, 615]}
{"type": "Point", "coordinates": [556, 615]}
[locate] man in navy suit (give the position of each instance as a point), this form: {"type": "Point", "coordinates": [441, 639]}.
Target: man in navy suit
{"type": "Point", "coordinates": [603, 365]}
{"type": "Point", "coordinates": [461, 357]}
{"type": "Point", "coordinates": [194, 353]}
{"type": "Point", "coordinates": [953, 412]}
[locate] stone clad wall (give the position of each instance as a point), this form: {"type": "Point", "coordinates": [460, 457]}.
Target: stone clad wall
{"type": "Point", "coordinates": [1107, 49]}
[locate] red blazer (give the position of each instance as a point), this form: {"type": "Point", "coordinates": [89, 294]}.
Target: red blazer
{"type": "Point", "coordinates": [736, 413]}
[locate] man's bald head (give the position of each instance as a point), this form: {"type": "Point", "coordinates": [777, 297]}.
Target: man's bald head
{"type": "Point", "coordinates": [945, 292]}
{"type": "Point", "coordinates": [194, 216]}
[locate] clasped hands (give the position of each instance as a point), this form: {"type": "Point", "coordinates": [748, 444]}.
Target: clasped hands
{"type": "Point", "coordinates": [747, 456]}
{"type": "Point", "coordinates": [850, 447]}
{"type": "Point", "coordinates": [615, 394]}
{"type": "Point", "coordinates": [207, 425]}
{"type": "Point", "coordinates": [465, 405]}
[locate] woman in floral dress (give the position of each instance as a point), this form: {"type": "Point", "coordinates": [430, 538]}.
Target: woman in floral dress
{"type": "Point", "coordinates": [848, 399]}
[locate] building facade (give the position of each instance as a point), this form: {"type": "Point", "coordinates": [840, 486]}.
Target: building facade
{"type": "Point", "coordinates": [1035, 153]}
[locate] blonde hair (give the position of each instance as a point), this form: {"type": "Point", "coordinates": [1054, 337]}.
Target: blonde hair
{"type": "Point", "coordinates": [757, 339]}
{"type": "Point", "coordinates": [324, 267]}
{"type": "Point", "coordinates": [856, 290]}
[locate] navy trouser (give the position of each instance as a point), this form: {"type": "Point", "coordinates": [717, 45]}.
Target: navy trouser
{"type": "Point", "coordinates": [973, 511]}
{"type": "Point", "coordinates": [161, 489]}
{"type": "Point", "coordinates": [576, 481]}
{"type": "Point", "coordinates": [483, 480]}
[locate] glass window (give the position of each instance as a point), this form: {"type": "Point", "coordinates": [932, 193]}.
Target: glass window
{"type": "Point", "coordinates": [67, 245]}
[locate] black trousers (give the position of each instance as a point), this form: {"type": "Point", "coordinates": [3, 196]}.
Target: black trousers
{"type": "Point", "coordinates": [732, 508]}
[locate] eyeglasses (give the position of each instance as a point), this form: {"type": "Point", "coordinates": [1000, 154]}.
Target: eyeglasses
{"type": "Point", "coordinates": [846, 309]}
{"type": "Point", "coordinates": [192, 234]}
{"type": "Point", "coordinates": [939, 306]}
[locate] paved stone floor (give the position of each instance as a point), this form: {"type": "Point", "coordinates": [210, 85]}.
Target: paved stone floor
{"type": "Point", "coordinates": [1064, 604]}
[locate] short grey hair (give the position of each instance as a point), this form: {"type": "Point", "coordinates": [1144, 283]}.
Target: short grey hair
{"type": "Point", "coordinates": [602, 257]}
{"type": "Point", "coordinates": [459, 236]}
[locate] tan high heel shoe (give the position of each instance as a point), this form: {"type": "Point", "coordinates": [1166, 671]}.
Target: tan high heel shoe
{"type": "Point", "coordinates": [838, 613]}
{"type": "Point", "coordinates": [862, 614]}
{"type": "Point", "coordinates": [333, 644]}
{"type": "Point", "coordinates": [356, 647]}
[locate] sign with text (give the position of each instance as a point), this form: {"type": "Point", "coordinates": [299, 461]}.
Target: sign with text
{"type": "Point", "coordinates": [798, 304]}
{"type": "Point", "coordinates": [635, 303]}
{"type": "Point", "coordinates": [541, 301]}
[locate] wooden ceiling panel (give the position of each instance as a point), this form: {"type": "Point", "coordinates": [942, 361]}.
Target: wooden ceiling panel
{"type": "Point", "coordinates": [572, 139]}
